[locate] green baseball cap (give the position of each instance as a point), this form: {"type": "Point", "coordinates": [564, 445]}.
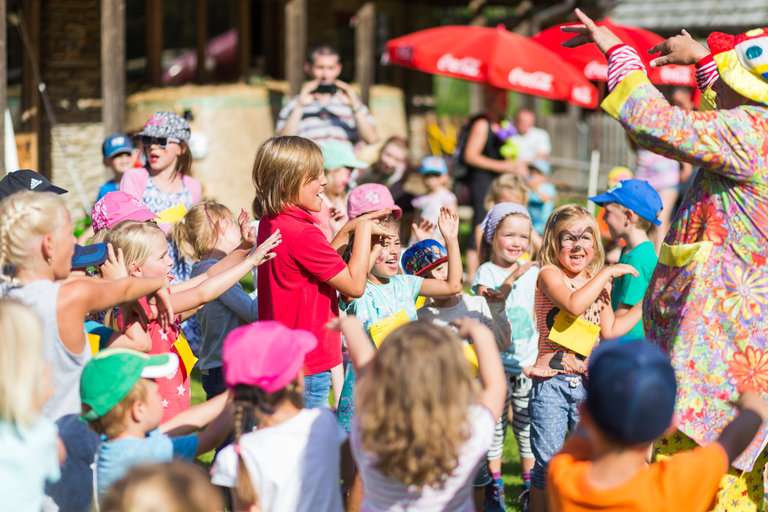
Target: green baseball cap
{"type": "Point", "coordinates": [340, 154]}
{"type": "Point", "coordinates": [112, 373]}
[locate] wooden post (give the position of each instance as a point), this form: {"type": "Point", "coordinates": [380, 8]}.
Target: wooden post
{"type": "Point", "coordinates": [3, 79]}
{"type": "Point", "coordinates": [201, 39]}
{"type": "Point", "coordinates": [243, 39]}
{"type": "Point", "coordinates": [113, 65]}
{"type": "Point", "coordinates": [30, 95]}
{"type": "Point", "coordinates": [476, 90]}
{"type": "Point", "coordinates": [365, 48]}
{"type": "Point", "coordinates": [154, 15]}
{"type": "Point", "coordinates": [295, 43]}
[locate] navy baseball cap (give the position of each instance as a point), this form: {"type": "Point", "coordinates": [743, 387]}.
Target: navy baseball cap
{"type": "Point", "coordinates": [116, 144]}
{"type": "Point", "coordinates": [631, 390]}
{"type": "Point", "coordinates": [423, 256]}
{"type": "Point", "coordinates": [637, 195]}
{"type": "Point", "coordinates": [89, 255]}
{"type": "Point", "coordinates": [27, 179]}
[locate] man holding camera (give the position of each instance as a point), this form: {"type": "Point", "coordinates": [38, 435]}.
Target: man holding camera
{"type": "Point", "coordinates": [326, 108]}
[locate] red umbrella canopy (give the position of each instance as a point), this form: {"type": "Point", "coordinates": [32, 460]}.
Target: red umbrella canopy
{"type": "Point", "coordinates": [495, 56]}
{"type": "Point", "coordinates": [593, 64]}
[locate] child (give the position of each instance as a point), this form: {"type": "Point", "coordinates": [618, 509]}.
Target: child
{"type": "Point", "coordinates": [629, 404]}
{"type": "Point", "coordinates": [291, 462]}
{"type": "Point", "coordinates": [572, 283]}
{"type": "Point", "coordinates": [504, 277]}
{"type": "Point", "coordinates": [422, 425]}
{"type": "Point", "coordinates": [118, 158]}
{"type": "Point", "coordinates": [146, 254]}
{"type": "Point", "coordinates": [207, 234]}
{"type": "Point", "coordinates": [116, 207]}
{"type": "Point", "coordinates": [436, 180]}
{"type": "Point", "coordinates": [119, 390]}
{"type": "Point", "coordinates": [541, 200]}
{"type": "Point", "coordinates": [31, 454]}
{"type": "Point", "coordinates": [298, 288]}
{"type": "Point", "coordinates": [631, 210]}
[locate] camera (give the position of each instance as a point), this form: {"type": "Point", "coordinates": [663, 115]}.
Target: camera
{"type": "Point", "coordinates": [326, 89]}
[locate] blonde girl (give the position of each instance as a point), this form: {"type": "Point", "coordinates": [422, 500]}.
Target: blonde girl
{"type": "Point", "coordinates": [292, 461]}
{"type": "Point", "coordinates": [207, 233]}
{"type": "Point", "coordinates": [36, 247]}
{"type": "Point", "coordinates": [298, 288]}
{"type": "Point", "coordinates": [422, 425]}
{"type": "Point", "coordinates": [505, 277]}
{"type": "Point", "coordinates": [573, 281]}
{"type": "Point", "coordinates": [145, 253]}
{"type": "Point", "coordinates": [31, 452]}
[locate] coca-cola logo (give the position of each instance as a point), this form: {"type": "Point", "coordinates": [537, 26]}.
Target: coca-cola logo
{"type": "Point", "coordinates": [404, 53]}
{"type": "Point", "coordinates": [681, 75]}
{"type": "Point", "coordinates": [595, 70]}
{"type": "Point", "coordinates": [537, 80]}
{"type": "Point", "coordinates": [466, 66]}
{"type": "Point", "coordinates": [582, 94]}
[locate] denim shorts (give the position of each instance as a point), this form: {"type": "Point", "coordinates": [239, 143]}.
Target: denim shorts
{"type": "Point", "coordinates": [554, 412]}
{"type": "Point", "coordinates": [317, 389]}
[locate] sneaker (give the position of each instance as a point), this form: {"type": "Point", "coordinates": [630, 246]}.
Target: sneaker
{"type": "Point", "coordinates": [525, 500]}
{"type": "Point", "coordinates": [494, 497]}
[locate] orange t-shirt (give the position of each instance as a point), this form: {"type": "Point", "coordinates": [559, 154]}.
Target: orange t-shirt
{"type": "Point", "coordinates": [685, 482]}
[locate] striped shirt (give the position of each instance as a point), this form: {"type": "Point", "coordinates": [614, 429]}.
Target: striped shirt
{"type": "Point", "coordinates": [706, 73]}
{"type": "Point", "coordinates": [622, 60]}
{"type": "Point", "coordinates": [553, 358]}
{"type": "Point", "coordinates": [334, 119]}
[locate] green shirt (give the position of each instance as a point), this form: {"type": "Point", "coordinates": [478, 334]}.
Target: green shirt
{"type": "Point", "coordinates": [629, 289]}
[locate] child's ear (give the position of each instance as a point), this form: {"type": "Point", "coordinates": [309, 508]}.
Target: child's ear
{"type": "Point", "coordinates": [137, 411]}
{"type": "Point", "coordinates": [134, 270]}
{"type": "Point", "coordinates": [630, 216]}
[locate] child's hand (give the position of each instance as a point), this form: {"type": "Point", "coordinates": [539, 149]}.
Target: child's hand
{"type": "Point", "coordinates": [114, 266]}
{"type": "Point", "coordinates": [520, 269]}
{"type": "Point", "coordinates": [448, 223]}
{"type": "Point", "coordinates": [424, 229]}
{"type": "Point", "coordinates": [247, 231]}
{"type": "Point", "coordinates": [621, 269]}
{"type": "Point", "coordinates": [493, 295]}
{"type": "Point", "coordinates": [753, 401]}
{"type": "Point", "coordinates": [337, 220]}
{"type": "Point", "coordinates": [160, 308]}
{"type": "Point", "coordinates": [379, 230]}
{"type": "Point", "coordinates": [468, 327]}
{"type": "Point", "coordinates": [262, 253]}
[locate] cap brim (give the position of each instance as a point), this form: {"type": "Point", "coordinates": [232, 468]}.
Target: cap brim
{"type": "Point", "coordinates": [160, 365]}
{"type": "Point", "coordinates": [431, 266]}
{"type": "Point", "coordinates": [89, 255]}
{"type": "Point", "coordinates": [140, 215]}
{"type": "Point", "coordinates": [601, 199]}
{"type": "Point", "coordinates": [56, 190]}
{"type": "Point", "coordinates": [397, 212]}
{"type": "Point", "coordinates": [119, 151]}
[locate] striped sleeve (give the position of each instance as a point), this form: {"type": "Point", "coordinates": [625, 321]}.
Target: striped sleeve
{"type": "Point", "coordinates": [622, 60]}
{"type": "Point", "coordinates": [706, 73]}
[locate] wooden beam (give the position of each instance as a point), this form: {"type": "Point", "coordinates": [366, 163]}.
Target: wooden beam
{"type": "Point", "coordinates": [295, 43]}
{"type": "Point", "coordinates": [154, 24]}
{"type": "Point", "coordinates": [113, 66]}
{"type": "Point", "coordinates": [30, 95]}
{"type": "Point", "coordinates": [243, 39]}
{"type": "Point", "coordinates": [201, 37]}
{"type": "Point", "coordinates": [365, 48]}
{"type": "Point", "coordinates": [3, 79]}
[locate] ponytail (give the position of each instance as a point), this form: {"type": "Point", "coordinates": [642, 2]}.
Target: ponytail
{"type": "Point", "coordinates": [197, 233]}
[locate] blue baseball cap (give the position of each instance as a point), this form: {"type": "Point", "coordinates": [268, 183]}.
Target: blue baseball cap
{"type": "Point", "coordinates": [637, 195]}
{"type": "Point", "coordinates": [541, 165]}
{"type": "Point", "coordinates": [423, 256]}
{"type": "Point", "coordinates": [89, 255]}
{"type": "Point", "coordinates": [433, 165]}
{"type": "Point", "coordinates": [631, 390]}
{"type": "Point", "coordinates": [116, 144]}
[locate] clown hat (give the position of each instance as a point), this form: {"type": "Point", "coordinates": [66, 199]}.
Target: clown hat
{"type": "Point", "coordinates": [742, 61]}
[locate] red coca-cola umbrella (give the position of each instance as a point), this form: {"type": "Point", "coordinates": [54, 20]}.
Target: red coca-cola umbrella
{"type": "Point", "coordinates": [495, 56]}
{"type": "Point", "coordinates": [593, 64]}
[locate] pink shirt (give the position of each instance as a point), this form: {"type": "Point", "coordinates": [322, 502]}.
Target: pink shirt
{"type": "Point", "coordinates": [292, 287]}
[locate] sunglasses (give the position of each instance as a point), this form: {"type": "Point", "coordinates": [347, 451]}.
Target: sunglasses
{"type": "Point", "coordinates": [161, 142]}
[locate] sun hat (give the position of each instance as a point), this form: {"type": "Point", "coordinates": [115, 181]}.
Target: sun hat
{"type": "Point", "coordinates": [637, 195]}
{"type": "Point", "coordinates": [433, 165]}
{"type": "Point", "coordinates": [112, 373]}
{"type": "Point", "coordinates": [89, 255]}
{"type": "Point", "coordinates": [423, 256]}
{"type": "Point", "coordinates": [541, 165]}
{"type": "Point", "coordinates": [168, 125]}
{"type": "Point", "coordinates": [742, 61]}
{"type": "Point", "coordinates": [369, 198]}
{"type": "Point", "coordinates": [27, 179]}
{"type": "Point", "coordinates": [497, 214]}
{"type": "Point", "coordinates": [116, 207]}
{"type": "Point", "coordinates": [340, 154]}
{"type": "Point", "coordinates": [631, 390]}
{"type": "Point", "coordinates": [116, 144]}
{"type": "Point", "coordinates": [619, 173]}
{"type": "Point", "coordinates": [266, 354]}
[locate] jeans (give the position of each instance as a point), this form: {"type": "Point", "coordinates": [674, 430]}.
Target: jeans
{"type": "Point", "coordinates": [213, 382]}
{"type": "Point", "coordinates": [554, 412]}
{"type": "Point", "coordinates": [317, 389]}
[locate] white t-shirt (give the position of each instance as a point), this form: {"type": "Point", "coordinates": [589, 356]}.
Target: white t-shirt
{"type": "Point", "coordinates": [383, 493]}
{"type": "Point", "coordinates": [533, 143]}
{"type": "Point", "coordinates": [294, 466]}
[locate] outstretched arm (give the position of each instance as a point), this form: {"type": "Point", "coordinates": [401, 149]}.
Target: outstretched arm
{"type": "Point", "coordinates": [576, 302]}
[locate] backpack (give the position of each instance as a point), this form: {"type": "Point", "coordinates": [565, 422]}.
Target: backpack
{"type": "Point", "coordinates": [459, 168]}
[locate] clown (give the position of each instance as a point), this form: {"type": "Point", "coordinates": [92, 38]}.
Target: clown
{"type": "Point", "coordinates": [707, 303]}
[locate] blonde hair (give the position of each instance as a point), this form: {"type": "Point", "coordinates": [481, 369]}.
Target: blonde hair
{"type": "Point", "coordinates": [197, 233]}
{"type": "Point", "coordinates": [511, 182]}
{"type": "Point", "coordinates": [168, 486]}
{"type": "Point", "coordinates": [135, 238]}
{"type": "Point", "coordinates": [412, 404]}
{"type": "Point", "coordinates": [22, 366]}
{"type": "Point", "coordinates": [24, 216]}
{"type": "Point", "coordinates": [113, 423]}
{"type": "Point", "coordinates": [642, 223]}
{"type": "Point", "coordinates": [550, 240]}
{"type": "Point", "coordinates": [252, 403]}
{"type": "Point", "coordinates": [283, 164]}
{"type": "Point", "coordinates": [486, 249]}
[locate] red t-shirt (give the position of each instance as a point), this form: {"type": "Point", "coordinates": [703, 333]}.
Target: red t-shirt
{"type": "Point", "coordinates": [292, 287]}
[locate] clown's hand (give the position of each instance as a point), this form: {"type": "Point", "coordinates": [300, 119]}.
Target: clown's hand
{"type": "Point", "coordinates": [681, 49]}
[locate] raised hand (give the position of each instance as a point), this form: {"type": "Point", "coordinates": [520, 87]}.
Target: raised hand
{"type": "Point", "coordinates": [160, 308]}
{"type": "Point", "coordinates": [493, 295]}
{"type": "Point", "coordinates": [448, 222]}
{"type": "Point", "coordinates": [681, 49]}
{"type": "Point", "coordinates": [588, 32]}
{"type": "Point", "coordinates": [424, 229]}
{"type": "Point", "coordinates": [263, 252]}
{"type": "Point", "coordinates": [621, 269]}
{"type": "Point", "coordinates": [114, 266]}
{"type": "Point", "coordinates": [247, 231]}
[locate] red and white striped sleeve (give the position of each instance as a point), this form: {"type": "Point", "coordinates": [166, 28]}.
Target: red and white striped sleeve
{"type": "Point", "coordinates": [622, 60]}
{"type": "Point", "coordinates": [706, 73]}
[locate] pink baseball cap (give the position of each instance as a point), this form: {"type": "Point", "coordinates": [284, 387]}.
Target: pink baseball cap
{"type": "Point", "coordinates": [369, 198]}
{"type": "Point", "coordinates": [116, 207]}
{"type": "Point", "coordinates": [266, 354]}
